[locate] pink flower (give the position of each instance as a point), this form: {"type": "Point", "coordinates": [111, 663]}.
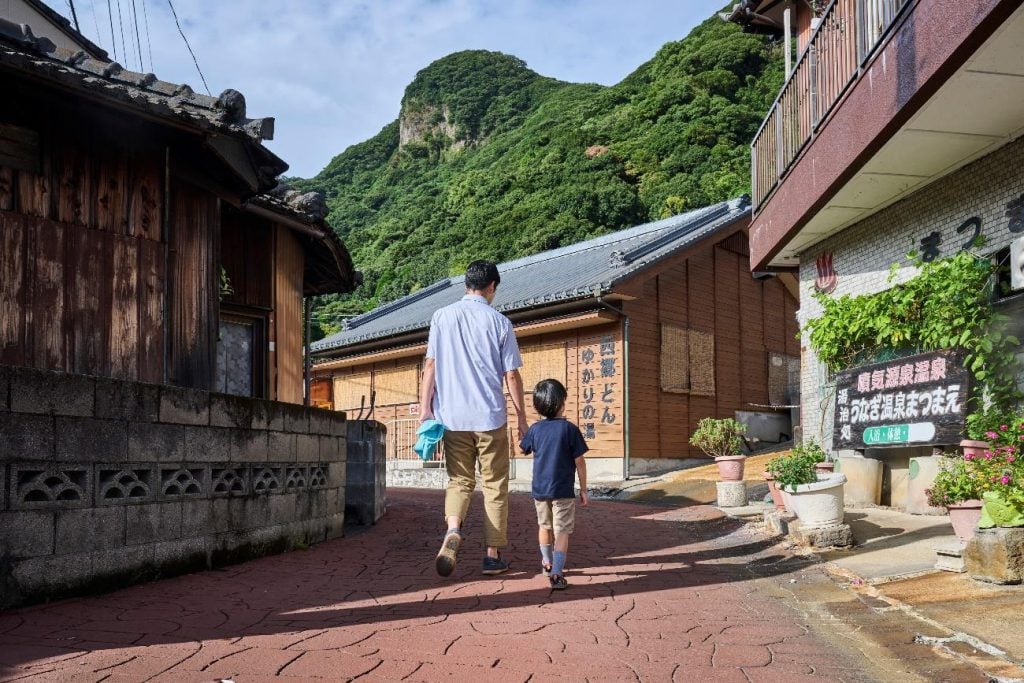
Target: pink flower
{"type": "Point", "coordinates": [1010, 458]}
{"type": "Point", "coordinates": [988, 455]}
{"type": "Point", "coordinates": [1003, 428]}
{"type": "Point", "coordinates": [1005, 479]}
{"type": "Point", "coordinates": [968, 456]}
{"type": "Point", "coordinates": [991, 435]}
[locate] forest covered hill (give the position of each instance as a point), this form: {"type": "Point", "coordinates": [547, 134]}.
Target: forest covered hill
{"type": "Point", "coordinates": [489, 159]}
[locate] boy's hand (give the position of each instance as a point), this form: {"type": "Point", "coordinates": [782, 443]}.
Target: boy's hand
{"type": "Point", "coordinates": [584, 499]}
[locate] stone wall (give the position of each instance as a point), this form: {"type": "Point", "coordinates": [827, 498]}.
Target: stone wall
{"type": "Point", "coordinates": [108, 482]}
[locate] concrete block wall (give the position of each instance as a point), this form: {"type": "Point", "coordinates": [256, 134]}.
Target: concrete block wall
{"type": "Point", "coordinates": [106, 482]}
{"type": "Point", "coordinates": [864, 252]}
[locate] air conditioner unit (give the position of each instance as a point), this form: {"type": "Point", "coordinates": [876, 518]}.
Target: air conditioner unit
{"type": "Point", "coordinates": [1017, 263]}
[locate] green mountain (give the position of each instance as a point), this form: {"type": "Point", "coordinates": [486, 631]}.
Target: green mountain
{"type": "Point", "coordinates": [489, 159]}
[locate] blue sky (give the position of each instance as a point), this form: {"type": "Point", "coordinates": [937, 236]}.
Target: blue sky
{"type": "Point", "coordinates": [333, 71]}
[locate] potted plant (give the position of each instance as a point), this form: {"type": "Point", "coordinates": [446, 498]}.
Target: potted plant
{"type": "Point", "coordinates": [816, 498]}
{"type": "Point", "coordinates": [770, 475]}
{"type": "Point", "coordinates": [957, 488]}
{"type": "Point", "coordinates": [1000, 471]}
{"type": "Point", "coordinates": [722, 439]}
{"type": "Point", "coordinates": [811, 450]}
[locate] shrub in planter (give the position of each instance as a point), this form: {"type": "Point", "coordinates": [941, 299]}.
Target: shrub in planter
{"type": "Point", "coordinates": [792, 469]}
{"type": "Point", "coordinates": [722, 439]}
{"type": "Point", "coordinates": [957, 488]}
{"type": "Point", "coordinates": [1000, 471]}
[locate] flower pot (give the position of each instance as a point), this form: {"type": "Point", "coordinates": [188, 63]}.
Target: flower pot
{"type": "Point", "coordinates": [819, 504]}
{"type": "Point", "coordinates": [826, 466]}
{"type": "Point", "coordinates": [787, 501]}
{"type": "Point", "coordinates": [730, 467]}
{"type": "Point", "coordinates": [776, 493]}
{"type": "Point", "coordinates": [964, 517]}
{"type": "Point", "coordinates": [975, 448]}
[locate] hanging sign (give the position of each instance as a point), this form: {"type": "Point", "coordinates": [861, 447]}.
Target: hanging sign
{"type": "Point", "coordinates": [915, 401]}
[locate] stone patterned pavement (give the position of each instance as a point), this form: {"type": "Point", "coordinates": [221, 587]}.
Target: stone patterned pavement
{"type": "Point", "coordinates": [657, 595]}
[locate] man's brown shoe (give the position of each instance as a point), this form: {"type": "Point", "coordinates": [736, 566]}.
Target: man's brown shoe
{"type": "Point", "coordinates": [445, 562]}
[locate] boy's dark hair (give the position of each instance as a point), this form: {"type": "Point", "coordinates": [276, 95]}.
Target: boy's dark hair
{"type": "Point", "coordinates": [548, 397]}
{"type": "Point", "coordinates": [479, 274]}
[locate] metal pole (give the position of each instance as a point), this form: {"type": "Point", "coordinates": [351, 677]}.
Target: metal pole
{"type": "Point", "coordinates": [787, 36]}
{"type": "Point", "coordinates": [305, 354]}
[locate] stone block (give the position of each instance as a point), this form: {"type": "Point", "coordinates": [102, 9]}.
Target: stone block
{"type": "Point", "coordinates": [267, 415]}
{"type": "Point", "coordinates": [50, 577]}
{"type": "Point", "coordinates": [776, 522]}
{"type": "Point", "coordinates": [197, 517]}
{"type": "Point", "coordinates": [250, 513]}
{"type": "Point", "coordinates": [184, 406]}
{"type": "Point", "coordinates": [231, 411]}
{"type": "Point", "coordinates": [224, 515]}
{"type": "Point", "coordinates": [26, 437]}
{"type": "Point", "coordinates": [134, 401]}
{"type": "Point", "coordinates": [152, 523]}
{"type": "Point", "coordinates": [51, 393]}
{"type": "Point", "coordinates": [88, 440]}
{"type": "Point", "coordinates": [156, 442]}
{"type": "Point", "coordinates": [25, 534]}
{"type": "Point", "coordinates": [5, 387]}
{"type": "Point", "coordinates": [182, 555]}
{"type": "Point", "coordinates": [49, 486]}
{"type": "Point", "coordinates": [835, 536]}
{"type": "Point", "coordinates": [337, 474]}
{"type": "Point", "coordinates": [248, 445]}
{"type": "Point", "coordinates": [207, 444]}
{"type": "Point", "coordinates": [996, 555]}
{"type": "Point", "coordinates": [227, 479]}
{"type": "Point", "coordinates": [184, 481]}
{"type": "Point", "coordinates": [307, 448]}
{"type": "Point", "coordinates": [731, 494]}
{"type": "Point", "coordinates": [335, 526]}
{"type": "Point", "coordinates": [115, 568]}
{"type": "Point", "coordinates": [283, 508]}
{"type": "Point", "coordinates": [280, 446]}
{"type": "Point", "coordinates": [333, 449]}
{"type": "Point", "coordinates": [296, 418]}
{"type": "Point", "coordinates": [321, 421]}
{"type": "Point", "coordinates": [83, 531]}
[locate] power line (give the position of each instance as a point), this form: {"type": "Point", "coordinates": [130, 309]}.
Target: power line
{"type": "Point", "coordinates": [149, 43]}
{"type": "Point", "coordinates": [96, 22]}
{"type": "Point", "coordinates": [74, 14]}
{"type": "Point", "coordinates": [138, 39]}
{"type": "Point", "coordinates": [113, 40]}
{"type": "Point", "coordinates": [194, 60]}
{"type": "Point", "coordinates": [120, 21]}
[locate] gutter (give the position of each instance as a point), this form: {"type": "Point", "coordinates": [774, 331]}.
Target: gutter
{"type": "Point", "coordinates": [625, 380]}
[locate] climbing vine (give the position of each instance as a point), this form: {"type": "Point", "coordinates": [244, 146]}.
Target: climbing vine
{"type": "Point", "coordinates": [946, 305]}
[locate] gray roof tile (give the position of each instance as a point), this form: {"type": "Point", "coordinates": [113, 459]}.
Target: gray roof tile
{"type": "Point", "coordinates": [578, 271]}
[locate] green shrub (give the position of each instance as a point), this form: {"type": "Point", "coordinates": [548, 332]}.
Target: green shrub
{"type": "Point", "coordinates": [719, 437]}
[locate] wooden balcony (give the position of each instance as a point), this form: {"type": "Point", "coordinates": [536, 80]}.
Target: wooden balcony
{"type": "Point", "coordinates": [847, 35]}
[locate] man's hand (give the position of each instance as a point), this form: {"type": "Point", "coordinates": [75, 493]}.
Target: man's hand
{"type": "Point", "coordinates": [521, 429]}
{"type": "Point", "coordinates": [425, 414]}
{"type": "Point", "coordinates": [584, 498]}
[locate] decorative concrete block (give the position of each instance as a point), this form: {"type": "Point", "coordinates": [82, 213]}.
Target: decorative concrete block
{"type": "Point", "coordinates": [231, 411]}
{"type": "Point", "coordinates": [88, 440]}
{"type": "Point", "coordinates": [152, 523]}
{"type": "Point", "coordinates": [950, 556]}
{"type": "Point", "coordinates": [49, 486]}
{"type": "Point", "coordinates": [296, 418]}
{"type": "Point", "coordinates": [120, 484]}
{"type": "Point", "coordinates": [248, 445]}
{"type": "Point", "coordinates": [180, 482]}
{"type": "Point", "coordinates": [996, 555]}
{"type": "Point", "coordinates": [51, 393]}
{"type": "Point", "coordinates": [26, 437]}
{"type": "Point", "coordinates": [25, 534]}
{"type": "Point", "coordinates": [156, 442]}
{"type": "Point", "coordinates": [184, 406]}
{"type": "Point", "coordinates": [118, 400]}
{"type": "Point", "coordinates": [229, 480]}
{"type": "Point", "coordinates": [731, 494]}
{"type": "Point", "coordinates": [207, 444]}
{"type": "Point", "coordinates": [83, 531]}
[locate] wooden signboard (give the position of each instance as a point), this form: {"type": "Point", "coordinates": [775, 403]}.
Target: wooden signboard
{"type": "Point", "coordinates": [915, 401]}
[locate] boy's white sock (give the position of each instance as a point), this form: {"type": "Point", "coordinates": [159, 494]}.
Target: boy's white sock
{"type": "Point", "coordinates": [545, 553]}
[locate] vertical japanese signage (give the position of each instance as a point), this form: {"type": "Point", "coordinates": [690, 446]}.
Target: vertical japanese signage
{"type": "Point", "coordinates": [918, 400]}
{"type": "Point", "coordinates": [600, 386]}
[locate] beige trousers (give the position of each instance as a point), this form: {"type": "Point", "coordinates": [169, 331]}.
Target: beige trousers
{"type": "Point", "coordinates": [462, 450]}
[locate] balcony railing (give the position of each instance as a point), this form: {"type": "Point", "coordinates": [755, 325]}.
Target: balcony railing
{"type": "Point", "coordinates": [846, 36]}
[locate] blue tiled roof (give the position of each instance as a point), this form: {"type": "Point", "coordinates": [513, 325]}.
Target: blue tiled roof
{"type": "Point", "coordinates": [580, 271]}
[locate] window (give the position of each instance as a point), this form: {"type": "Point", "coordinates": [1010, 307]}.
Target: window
{"type": "Point", "coordinates": [397, 386]}
{"type": "Point", "coordinates": [687, 361]}
{"type": "Point", "coordinates": [352, 391]}
{"type": "Point", "coordinates": [542, 362]}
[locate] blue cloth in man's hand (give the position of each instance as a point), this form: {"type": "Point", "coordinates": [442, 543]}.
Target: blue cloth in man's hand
{"type": "Point", "coordinates": [429, 433]}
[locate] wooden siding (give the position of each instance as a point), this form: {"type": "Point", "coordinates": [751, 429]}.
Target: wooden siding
{"type": "Point", "coordinates": [81, 256]}
{"type": "Point", "coordinates": [288, 269]}
{"type": "Point", "coordinates": [247, 255]}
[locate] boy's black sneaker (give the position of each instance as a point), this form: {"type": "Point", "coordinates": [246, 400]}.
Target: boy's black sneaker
{"type": "Point", "coordinates": [494, 565]}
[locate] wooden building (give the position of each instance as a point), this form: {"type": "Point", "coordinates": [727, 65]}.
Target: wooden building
{"type": "Point", "coordinates": [136, 229]}
{"type": "Point", "coordinates": [650, 328]}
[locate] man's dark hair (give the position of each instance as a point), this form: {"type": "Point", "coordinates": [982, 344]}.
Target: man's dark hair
{"type": "Point", "coordinates": [549, 397]}
{"type": "Point", "coordinates": [479, 274]}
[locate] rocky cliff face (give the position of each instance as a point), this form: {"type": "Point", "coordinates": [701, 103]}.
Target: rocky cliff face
{"type": "Point", "coordinates": [421, 123]}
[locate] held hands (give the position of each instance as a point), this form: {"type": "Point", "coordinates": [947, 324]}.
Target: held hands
{"type": "Point", "coordinates": [584, 498]}
{"type": "Point", "coordinates": [521, 429]}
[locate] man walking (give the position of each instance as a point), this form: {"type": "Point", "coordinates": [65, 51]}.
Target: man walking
{"type": "Point", "coordinates": [470, 350]}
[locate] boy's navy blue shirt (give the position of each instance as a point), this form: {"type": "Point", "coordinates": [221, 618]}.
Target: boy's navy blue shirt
{"type": "Point", "coordinates": [555, 443]}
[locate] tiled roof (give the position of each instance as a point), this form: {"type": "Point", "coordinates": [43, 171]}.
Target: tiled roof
{"type": "Point", "coordinates": [580, 271]}
{"type": "Point", "coordinates": [22, 51]}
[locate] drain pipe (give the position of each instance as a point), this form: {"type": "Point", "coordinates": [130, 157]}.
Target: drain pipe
{"type": "Point", "coordinates": [306, 360]}
{"type": "Point", "coordinates": [625, 380]}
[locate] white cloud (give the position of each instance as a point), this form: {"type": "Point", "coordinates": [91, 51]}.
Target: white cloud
{"type": "Point", "coordinates": [333, 71]}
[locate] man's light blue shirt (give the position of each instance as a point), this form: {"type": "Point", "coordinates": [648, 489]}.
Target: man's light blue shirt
{"type": "Point", "coordinates": [473, 346]}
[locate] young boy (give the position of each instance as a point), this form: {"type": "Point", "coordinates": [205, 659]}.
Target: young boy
{"type": "Point", "coordinates": [558, 449]}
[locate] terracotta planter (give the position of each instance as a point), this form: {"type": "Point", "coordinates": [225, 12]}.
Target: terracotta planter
{"type": "Point", "coordinates": [776, 493]}
{"type": "Point", "coordinates": [976, 448]}
{"type": "Point", "coordinates": [730, 467]}
{"type": "Point", "coordinates": [819, 504]}
{"type": "Point", "coordinates": [964, 517]}
{"type": "Point", "coordinates": [826, 466]}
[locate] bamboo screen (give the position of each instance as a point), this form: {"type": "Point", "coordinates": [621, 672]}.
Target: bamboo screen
{"type": "Point", "coordinates": [687, 361]}
{"type": "Point", "coordinates": [352, 391]}
{"type": "Point", "coordinates": [542, 362]}
{"type": "Point", "coordinates": [396, 386]}
{"type": "Point", "coordinates": [783, 379]}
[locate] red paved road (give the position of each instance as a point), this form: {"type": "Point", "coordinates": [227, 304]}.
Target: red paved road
{"type": "Point", "coordinates": [656, 595]}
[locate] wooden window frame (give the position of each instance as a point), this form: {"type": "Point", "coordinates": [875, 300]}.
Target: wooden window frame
{"type": "Point", "coordinates": [260, 353]}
